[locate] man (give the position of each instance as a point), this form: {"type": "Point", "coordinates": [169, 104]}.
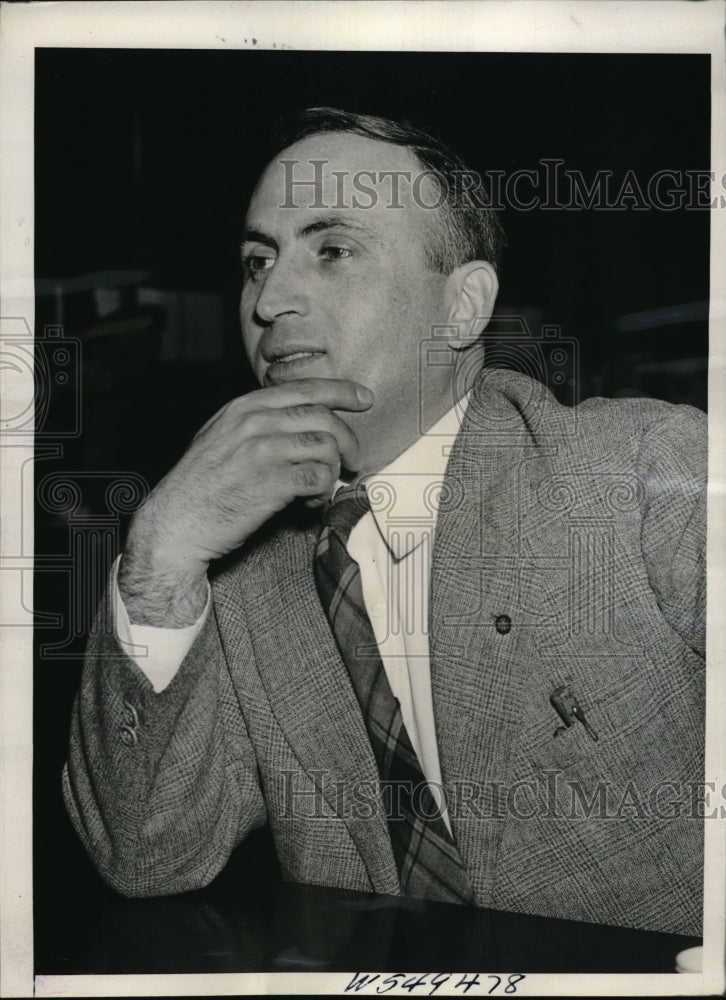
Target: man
{"type": "Point", "coordinates": [526, 742]}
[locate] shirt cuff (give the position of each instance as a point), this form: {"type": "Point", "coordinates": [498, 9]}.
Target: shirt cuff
{"type": "Point", "coordinates": [158, 652]}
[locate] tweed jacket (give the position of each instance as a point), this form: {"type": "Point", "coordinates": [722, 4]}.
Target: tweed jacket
{"type": "Point", "coordinates": [569, 553]}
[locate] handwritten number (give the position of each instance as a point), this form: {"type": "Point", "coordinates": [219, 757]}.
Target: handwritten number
{"type": "Point", "coordinates": [466, 984]}
{"type": "Point", "coordinates": [391, 980]}
{"type": "Point", "coordinates": [411, 983]}
{"type": "Point", "coordinates": [361, 982]}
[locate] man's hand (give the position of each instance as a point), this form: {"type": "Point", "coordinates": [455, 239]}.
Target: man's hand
{"type": "Point", "coordinates": [254, 456]}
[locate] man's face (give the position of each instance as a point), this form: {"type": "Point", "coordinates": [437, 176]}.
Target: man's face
{"type": "Point", "coordinates": [337, 291]}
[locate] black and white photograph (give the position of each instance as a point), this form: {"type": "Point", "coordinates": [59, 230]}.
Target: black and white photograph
{"type": "Point", "coordinates": [362, 444]}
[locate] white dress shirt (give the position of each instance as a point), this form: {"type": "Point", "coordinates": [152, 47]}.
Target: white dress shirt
{"type": "Point", "coordinates": [392, 545]}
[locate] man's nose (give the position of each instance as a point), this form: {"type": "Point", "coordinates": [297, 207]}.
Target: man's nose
{"type": "Point", "coordinates": [284, 290]}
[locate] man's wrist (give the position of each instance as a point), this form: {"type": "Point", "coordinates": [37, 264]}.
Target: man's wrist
{"type": "Point", "coordinates": [160, 590]}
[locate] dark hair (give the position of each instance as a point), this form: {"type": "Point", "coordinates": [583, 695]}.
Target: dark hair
{"type": "Point", "coordinates": [468, 227]}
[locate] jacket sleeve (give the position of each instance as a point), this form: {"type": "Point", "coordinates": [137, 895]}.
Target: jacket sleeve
{"type": "Point", "coordinates": [673, 471]}
{"type": "Point", "coordinates": [159, 787]}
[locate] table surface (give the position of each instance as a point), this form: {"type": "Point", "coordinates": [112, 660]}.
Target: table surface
{"type": "Point", "coordinates": [248, 920]}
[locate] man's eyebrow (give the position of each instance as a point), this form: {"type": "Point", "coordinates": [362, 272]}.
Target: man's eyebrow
{"type": "Point", "coordinates": [258, 236]}
{"type": "Point", "coordinates": [321, 225]}
{"type": "Point", "coordinates": [328, 222]}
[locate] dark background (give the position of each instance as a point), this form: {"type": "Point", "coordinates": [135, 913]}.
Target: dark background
{"type": "Point", "coordinates": [144, 163]}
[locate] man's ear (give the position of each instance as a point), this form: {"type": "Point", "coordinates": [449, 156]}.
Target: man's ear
{"type": "Point", "coordinates": [471, 292]}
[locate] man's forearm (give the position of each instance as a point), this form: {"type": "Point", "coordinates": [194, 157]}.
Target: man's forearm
{"type": "Point", "coordinates": [156, 813]}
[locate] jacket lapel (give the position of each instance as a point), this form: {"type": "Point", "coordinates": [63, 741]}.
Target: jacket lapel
{"type": "Point", "coordinates": [309, 690]}
{"type": "Point", "coordinates": [478, 685]}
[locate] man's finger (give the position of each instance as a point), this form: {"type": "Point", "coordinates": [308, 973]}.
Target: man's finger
{"type": "Point", "coordinates": [281, 450]}
{"type": "Point", "coordinates": [335, 393]}
{"type": "Point", "coordinates": [303, 422]}
{"type": "Point", "coordinates": [311, 479]}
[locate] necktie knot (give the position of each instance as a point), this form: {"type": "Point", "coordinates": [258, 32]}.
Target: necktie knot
{"type": "Point", "coordinates": [346, 509]}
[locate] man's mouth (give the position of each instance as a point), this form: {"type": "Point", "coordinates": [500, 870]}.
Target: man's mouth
{"type": "Point", "coordinates": [291, 351]}
{"type": "Point", "coordinates": [285, 363]}
{"type": "Point", "coordinates": [285, 358]}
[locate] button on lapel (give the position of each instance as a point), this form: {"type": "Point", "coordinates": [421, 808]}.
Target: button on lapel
{"type": "Point", "coordinates": [503, 624]}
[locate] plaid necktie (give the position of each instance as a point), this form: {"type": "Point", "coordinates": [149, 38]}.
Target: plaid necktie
{"type": "Point", "coordinates": [426, 857]}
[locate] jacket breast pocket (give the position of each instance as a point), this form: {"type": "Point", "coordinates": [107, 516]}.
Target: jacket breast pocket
{"type": "Point", "coordinates": [566, 735]}
{"type": "Point", "coordinates": [566, 749]}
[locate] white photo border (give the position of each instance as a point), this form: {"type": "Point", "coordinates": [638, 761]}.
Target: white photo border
{"type": "Point", "coordinates": [585, 26]}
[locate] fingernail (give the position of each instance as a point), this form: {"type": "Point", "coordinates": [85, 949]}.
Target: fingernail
{"type": "Point", "coordinates": [364, 395]}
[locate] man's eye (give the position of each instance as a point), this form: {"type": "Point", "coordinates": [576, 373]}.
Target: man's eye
{"type": "Point", "coordinates": [335, 253]}
{"type": "Point", "coordinates": [256, 264]}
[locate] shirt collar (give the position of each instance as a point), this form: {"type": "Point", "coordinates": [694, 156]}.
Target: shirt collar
{"type": "Point", "coordinates": [403, 496]}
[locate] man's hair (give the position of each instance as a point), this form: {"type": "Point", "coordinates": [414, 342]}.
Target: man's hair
{"type": "Point", "coordinates": [468, 229]}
